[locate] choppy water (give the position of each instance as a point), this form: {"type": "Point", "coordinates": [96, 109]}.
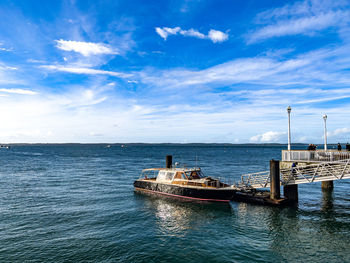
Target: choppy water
{"type": "Point", "coordinates": [69, 203]}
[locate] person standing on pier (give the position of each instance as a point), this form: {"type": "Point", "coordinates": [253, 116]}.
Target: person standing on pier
{"type": "Point", "coordinates": [339, 147]}
{"type": "Point", "coordinates": [294, 172]}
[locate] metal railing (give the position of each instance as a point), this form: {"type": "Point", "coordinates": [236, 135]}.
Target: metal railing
{"type": "Point", "coordinates": [325, 171]}
{"type": "Point", "coordinates": [320, 172]}
{"type": "Point", "coordinates": [314, 156]}
{"type": "Point", "coordinates": [255, 180]}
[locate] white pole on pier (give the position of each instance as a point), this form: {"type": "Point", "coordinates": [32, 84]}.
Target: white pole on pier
{"type": "Point", "coordinates": [325, 131]}
{"type": "Point", "coordinates": [289, 109]}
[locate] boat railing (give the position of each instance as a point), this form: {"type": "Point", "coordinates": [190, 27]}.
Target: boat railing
{"type": "Point", "coordinates": [314, 156]}
{"type": "Point", "coordinates": [225, 182]}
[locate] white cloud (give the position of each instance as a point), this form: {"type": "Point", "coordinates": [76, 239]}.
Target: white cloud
{"type": "Point", "coordinates": [307, 18]}
{"type": "Point", "coordinates": [94, 134]}
{"type": "Point", "coordinates": [214, 35]}
{"type": "Point", "coordinates": [9, 75]}
{"type": "Point", "coordinates": [250, 70]}
{"type": "Point", "coordinates": [85, 48]}
{"type": "Point", "coordinates": [166, 31]}
{"type": "Point", "coordinates": [340, 131]}
{"type": "Point", "coordinates": [12, 68]}
{"type": "Point", "coordinates": [4, 48]}
{"type": "Point", "coordinates": [192, 33]}
{"type": "Point", "coordinates": [32, 118]}
{"type": "Point", "coordinates": [88, 71]}
{"type": "Point", "coordinates": [19, 91]}
{"type": "Point", "coordinates": [217, 36]}
{"type": "Point", "coordinates": [269, 136]}
{"type": "Point", "coordinates": [300, 26]}
{"type": "Point", "coordinates": [4, 67]}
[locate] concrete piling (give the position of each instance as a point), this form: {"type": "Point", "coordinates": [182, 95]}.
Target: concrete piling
{"type": "Point", "coordinates": [168, 161]}
{"type": "Point", "coordinates": [275, 192]}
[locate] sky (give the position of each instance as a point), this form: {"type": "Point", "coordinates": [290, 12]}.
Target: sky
{"type": "Point", "coordinates": [186, 71]}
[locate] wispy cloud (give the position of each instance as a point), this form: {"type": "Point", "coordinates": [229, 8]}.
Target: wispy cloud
{"type": "Point", "coordinates": [88, 71]}
{"type": "Point", "coordinates": [215, 36]}
{"type": "Point", "coordinates": [85, 48]}
{"type": "Point", "coordinates": [9, 75]}
{"type": "Point", "coordinates": [312, 68]}
{"type": "Point", "coordinates": [4, 67]}
{"type": "Point", "coordinates": [2, 48]}
{"type": "Point", "coordinates": [19, 91]}
{"type": "Point", "coordinates": [306, 18]}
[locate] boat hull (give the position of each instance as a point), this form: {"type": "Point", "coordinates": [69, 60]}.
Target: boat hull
{"type": "Point", "coordinates": [195, 193]}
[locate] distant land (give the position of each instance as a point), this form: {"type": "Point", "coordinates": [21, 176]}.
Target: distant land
{"type": "Point", "coordinates": [169, 144]}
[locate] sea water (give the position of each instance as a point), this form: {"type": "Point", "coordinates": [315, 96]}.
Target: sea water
{"type": "Point", "coordinates": [70, 203]}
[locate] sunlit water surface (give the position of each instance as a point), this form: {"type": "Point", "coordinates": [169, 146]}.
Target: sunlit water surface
{"type": "Point", "coordinates": [69, 203]}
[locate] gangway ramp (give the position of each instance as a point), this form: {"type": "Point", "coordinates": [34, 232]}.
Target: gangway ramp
{"type": "Point", "coordinates": [320, 172]}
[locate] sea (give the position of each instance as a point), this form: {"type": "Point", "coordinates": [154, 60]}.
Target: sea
{"type": "Point", "coordinates": [76, 203]}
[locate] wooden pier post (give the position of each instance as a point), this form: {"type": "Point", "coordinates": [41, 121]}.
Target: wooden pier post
{"type": "Point", "coordinates": [327, 185]}
{"type": "Point", "coordinates": [291, 192]}
{"type": "Point", "coordinates": [275, 192]}
{"type": "Point", "coordinates": [168, 161]}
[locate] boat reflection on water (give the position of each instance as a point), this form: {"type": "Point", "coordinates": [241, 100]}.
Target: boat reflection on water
{"type": "Point", "coordinates": [175, 217]}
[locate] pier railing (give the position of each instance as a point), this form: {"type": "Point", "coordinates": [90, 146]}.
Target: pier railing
{"type": "Point", "coordinates": [317, 172]}
{"type": "Point", "coordinates": [314, 156]}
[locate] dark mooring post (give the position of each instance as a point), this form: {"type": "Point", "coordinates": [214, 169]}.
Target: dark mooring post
{"type": "Point", "coordinates": [327, 185]}
{"type": "Point", "coordinates": [168, 161]}
{"type": "Point", "coordinates": [291, 192]}
{"type": "Point", "coordinates": [275, 192]}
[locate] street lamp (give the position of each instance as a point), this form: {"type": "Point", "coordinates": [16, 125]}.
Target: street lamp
{"type": "Point", "coordinates": [325, 132]}
{"type": "Point", "coordinates": [289, 109]}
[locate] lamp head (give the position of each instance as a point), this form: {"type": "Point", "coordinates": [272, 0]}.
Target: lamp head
{"type": "Point", "coordinates": [289, 109]}
{"type": "Point", "coordinates": [325, 117]}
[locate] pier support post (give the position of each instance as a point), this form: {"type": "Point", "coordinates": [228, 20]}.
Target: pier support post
{"type": "Point", "coordinates": [291, 192]}
{"type": "Point", "coordinates": [168, 161]}
{"type": "Point", "coordinates": [327, 185]}
{"type": "Point", "coordinates": [275, 192]}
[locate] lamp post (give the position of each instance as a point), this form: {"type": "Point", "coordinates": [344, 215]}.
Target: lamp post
{"type": "Point", "coordinates": [325, 132]}
{"type": "Point", "coordinates": [289, 109]}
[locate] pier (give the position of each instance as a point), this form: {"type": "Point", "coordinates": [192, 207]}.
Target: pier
{"type": "Point", "coordinates": [298, 167]}
{"type": "Point", "coordinates": [309, 166]}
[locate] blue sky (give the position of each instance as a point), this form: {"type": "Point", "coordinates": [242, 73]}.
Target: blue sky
{"type": "Point", "coordinates": [174, 71]}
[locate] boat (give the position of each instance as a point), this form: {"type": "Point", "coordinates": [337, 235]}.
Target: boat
{"type": "Point", "coordinates": [187, 183]}
{"type": "Point", "coordinates": [4, 147]}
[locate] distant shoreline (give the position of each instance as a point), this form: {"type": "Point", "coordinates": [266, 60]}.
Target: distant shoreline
{"type": "Point", "coordinates": [165, 144]}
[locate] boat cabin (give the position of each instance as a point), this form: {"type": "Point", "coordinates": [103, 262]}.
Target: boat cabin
{"type": "Point", "coordinates": [180, 176]}
{"type": "Point", "coordinates": [168, 175]}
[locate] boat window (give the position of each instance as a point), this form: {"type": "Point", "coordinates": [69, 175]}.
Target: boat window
{"type": "Point", "coordinates": [165, 176]}
{"type": "Point", "coordinates": [178, 175]}
{"type": "Point", "coordinates": [194, 174]}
